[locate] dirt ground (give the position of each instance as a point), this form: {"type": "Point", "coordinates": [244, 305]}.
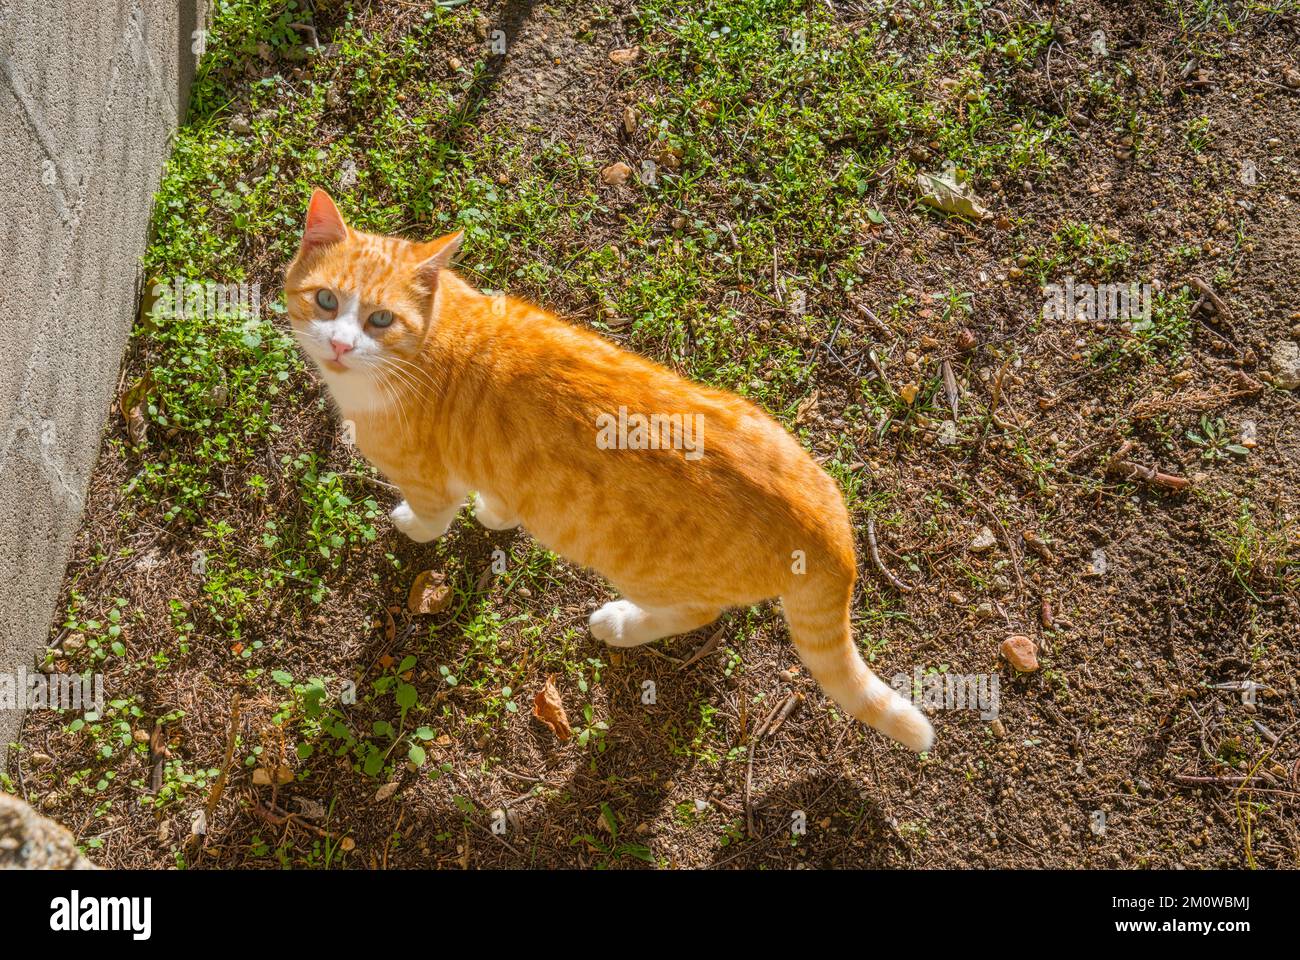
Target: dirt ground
{"type": "Point", "coordinates": [1161, 727]}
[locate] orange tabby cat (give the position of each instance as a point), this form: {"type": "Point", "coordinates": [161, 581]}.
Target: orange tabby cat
{"type": "Point", "coordinates": [688, 499]}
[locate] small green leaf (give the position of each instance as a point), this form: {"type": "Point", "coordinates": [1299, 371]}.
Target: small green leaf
{"type": "Point", "coordinates": [406, 696]}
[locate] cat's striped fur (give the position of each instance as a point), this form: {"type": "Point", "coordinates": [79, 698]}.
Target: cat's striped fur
{"type": "Point", "coordinates": [469, 395]}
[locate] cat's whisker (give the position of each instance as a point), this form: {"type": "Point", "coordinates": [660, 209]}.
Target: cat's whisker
{"type": "Point", "coordinates": [415, 371]}
{"type": "Point", "coordinates": [391, 373]}
{"type": "Point", "coordinates": [393, 397]}
{"type": "Point", "coordinates": [403, 386]}
{"type": "Point", "coordinates": [410, 376]}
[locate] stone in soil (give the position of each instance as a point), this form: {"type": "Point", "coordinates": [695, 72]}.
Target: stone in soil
{"type": "Point", "coordinates": [1021, 653]}
{"type": "Point", "coordinates": [616, 174]}
{"type": "Point", "coordinates": [984, 541]}
{"type": "Point", "coordinates": [1286, 365]}
{"type": "Point", "coordinates": [29, 841]}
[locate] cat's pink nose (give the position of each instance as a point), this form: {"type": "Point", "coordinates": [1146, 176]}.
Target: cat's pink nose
{"type": "Point", "coordinates": [340, 348]}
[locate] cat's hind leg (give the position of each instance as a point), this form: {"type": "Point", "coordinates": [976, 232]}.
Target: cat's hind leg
{"type": "Point", "coordinates": [426, 525]}
{"type": "Point", "coordinates": [492, 514]}
{"type": "Point", "coordinates": [621, 623]}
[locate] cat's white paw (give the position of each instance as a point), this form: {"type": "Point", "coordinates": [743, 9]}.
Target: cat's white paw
{"type": "Point", "coordinates": [616, 624]}
{"type": "Point", "coordinates": [490, 518]}
{"type": "Point", "coordinates": [909, 726]}
{"type": "Point", "coordinates": [418, 529]}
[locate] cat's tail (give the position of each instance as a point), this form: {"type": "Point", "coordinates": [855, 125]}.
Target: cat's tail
{"type": "Point", "coordinates": [818, 615]}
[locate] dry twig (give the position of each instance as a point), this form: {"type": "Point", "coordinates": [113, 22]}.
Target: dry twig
{"type": "Point", "coordinates": [1205, 290]}
{"type": "Point", "coordinates": [782, 709]}
{"type": "Point", "coordinates": [879, 324]}
{"type": "Point", "coordinates": [218, 788]}
{"type": "Point", "coordinates": [897, 584]}
{"type": "Point", "coordinates": [706, 648]}
{"type": "Point", "coordinates": [1128, 470]}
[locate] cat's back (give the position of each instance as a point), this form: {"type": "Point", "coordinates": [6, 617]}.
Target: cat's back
{"type": "Point", "coordinates": [557, 383]}
{"type": "Point", "coordinates": [571, 376]}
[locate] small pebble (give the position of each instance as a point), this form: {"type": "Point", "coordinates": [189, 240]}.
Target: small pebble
{"type": "Point", "coordinates": [1286, 365]}
{"type": "Point", "coordinates": [984, 541]}
{"type": "Point", "coordinates": [1020, 653]}
{"type": "Point", "coordinates": [616, 173]}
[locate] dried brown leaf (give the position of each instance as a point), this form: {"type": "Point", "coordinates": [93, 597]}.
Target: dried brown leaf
{"type": "Point", "coordinates": [950, 387]}
{"type": "Point", "coordinates": [807, 404]}
{"type": "Point", "coordinates": [428, 593]}
{"type": "Point", "coordinates": [549, 708]}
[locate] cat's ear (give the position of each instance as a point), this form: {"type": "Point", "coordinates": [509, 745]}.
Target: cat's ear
{"type": "Point", "coordinates": [325, 224]}
{"type": "Point", "coordinates": [437, 256]}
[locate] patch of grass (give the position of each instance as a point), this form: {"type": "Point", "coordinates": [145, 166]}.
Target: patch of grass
{"type": "Point", "coordinates": [1163, 337]}
{"type": "Point", "coordinates": [610, 849]}
{"type": "Point", "coordinates": [1214, 440]}
{"type": "Point", "coordinates": [1196, 133]}
{"type": "Point", "coordinates": [781, 131]}
{"type": "Point", "coordinates": [1261, 555]}
{"type": "Point", "coordinates": [1080, 249]}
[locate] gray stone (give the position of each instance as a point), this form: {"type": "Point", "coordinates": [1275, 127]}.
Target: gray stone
{"type": "Point", "coordinates": [29, 841]}
{"type": "Point", "coordinates": [1286, 365]}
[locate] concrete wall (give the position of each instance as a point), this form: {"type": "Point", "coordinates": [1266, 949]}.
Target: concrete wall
{"type": "Point", "coordinates": [90, 93]}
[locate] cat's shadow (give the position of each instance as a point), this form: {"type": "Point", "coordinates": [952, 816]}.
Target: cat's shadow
{"type": "Point", "coordinates": [638, 742]}
{"type": "Point", "coordinates": [652, 765]}
{"type": "Point", "coordinates": [657, 765]}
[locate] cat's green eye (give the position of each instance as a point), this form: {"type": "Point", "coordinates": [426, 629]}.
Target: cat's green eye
{"type": "Point", "coordinates": [326, 300]}
{"type": "Point", "coordinates": [381, 318]}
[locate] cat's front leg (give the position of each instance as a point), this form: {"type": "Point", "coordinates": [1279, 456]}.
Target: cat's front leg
{"type": "Point", "coordinates": [426, 524]}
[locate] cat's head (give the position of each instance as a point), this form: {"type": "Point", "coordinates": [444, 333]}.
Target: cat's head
{"type": "Point", "coordinates": [361, 304]}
